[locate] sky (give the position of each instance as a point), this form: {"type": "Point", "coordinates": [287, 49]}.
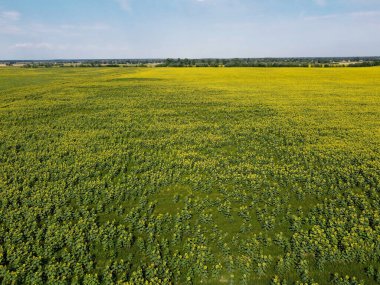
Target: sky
{"type": "Point", "coordinates": [73, 29]}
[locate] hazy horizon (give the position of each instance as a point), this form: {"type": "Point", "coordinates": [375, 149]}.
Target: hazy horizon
{"type": "Point", "coordinates": [152, 29]}
{"type": "Point", "coordinates": [202, 58]}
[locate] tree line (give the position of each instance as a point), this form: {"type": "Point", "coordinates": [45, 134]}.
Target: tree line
{"type": "Point", "coordinates": [204, 62]}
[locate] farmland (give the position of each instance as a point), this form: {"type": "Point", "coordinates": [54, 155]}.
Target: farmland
{"type": "Point", "coordinates": [190, 176]}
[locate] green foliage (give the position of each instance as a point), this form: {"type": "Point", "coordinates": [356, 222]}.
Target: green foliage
{"type": "Point", "coordinates": [189, 176]}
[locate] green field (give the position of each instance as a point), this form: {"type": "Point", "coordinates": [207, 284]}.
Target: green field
{"type": "Point", "coordinates": [190, 176]}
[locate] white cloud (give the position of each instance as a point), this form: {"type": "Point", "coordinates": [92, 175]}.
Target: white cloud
{"type": "Point", "coordinates": [69, 47]}
{"type": "Point", "coordinates": [9, 15]}
{"type": "Point", "coordinates": [9, 29]}
{"type": "Point", "coordinates": [366, 14]}
{"type": "Point", "coordinates": [322, 17]}
{"type": "Point", "coordinates": [53, 50]}
{"type": "Point", "coordinates": [64, 29]}
{"type": "Point", "coordinates": [124, 4]}
{"type": "Point", "coordinates": [45, 46]}
{"type": "Point", "coordinates": [84, 28]}
{"type": "Point", "coordinates": [8, 22]}
{"type": "Point", "coordinates": [320, 2]}
{"type": "Point", "coordinates": [359, 14]}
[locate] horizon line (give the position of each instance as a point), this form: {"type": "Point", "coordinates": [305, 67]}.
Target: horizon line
{"type": "Point", "coordinates": [192, 58]}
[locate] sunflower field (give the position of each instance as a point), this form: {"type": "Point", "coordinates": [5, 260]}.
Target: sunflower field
{"type": "Point", "coordinates": [190, 176]}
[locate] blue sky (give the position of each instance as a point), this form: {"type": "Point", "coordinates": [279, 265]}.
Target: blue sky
{"type": "Point", "coordinates": [48, 29]}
